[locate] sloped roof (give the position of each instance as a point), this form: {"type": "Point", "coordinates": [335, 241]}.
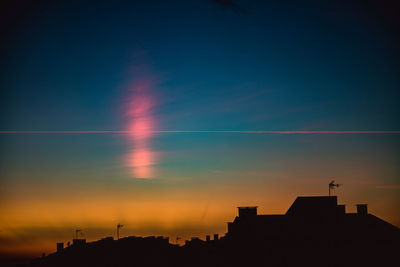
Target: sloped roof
{"type": "Point", "coordinates": [313, 205]}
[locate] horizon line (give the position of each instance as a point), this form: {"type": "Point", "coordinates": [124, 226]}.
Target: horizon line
{"type": "Point", "coordinates": [200, 131]}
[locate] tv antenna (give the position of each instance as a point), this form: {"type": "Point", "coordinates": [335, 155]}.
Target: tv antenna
{"type": "Point", "coordinates": [77, 231]}
{"type": "Point", "coordinates": [332, 185]}
{"type": "Point", "coordinates": [119, 226]}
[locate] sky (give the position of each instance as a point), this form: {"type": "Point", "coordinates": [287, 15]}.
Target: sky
{"type": "Point", "coordinates": [146, 113]}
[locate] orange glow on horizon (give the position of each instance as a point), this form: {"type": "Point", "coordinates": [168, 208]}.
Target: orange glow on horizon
{"type": "Point", "coordinates": [196, 211]}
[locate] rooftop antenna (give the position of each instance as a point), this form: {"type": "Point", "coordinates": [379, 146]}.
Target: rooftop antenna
{"type": "Point", "coordinates": [119, 226]}
{"type": "Point", "coordinates": [77, 231]}
{"type": "Point", "coordinates": [332, 185]}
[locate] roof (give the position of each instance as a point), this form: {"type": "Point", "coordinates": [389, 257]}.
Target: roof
{"type": "Point", "coordinates": [313, 205]}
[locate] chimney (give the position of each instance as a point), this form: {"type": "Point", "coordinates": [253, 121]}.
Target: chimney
{"type": "Point", "coordinates": [60, 247]}
{"type": "Point", "coordinates": [362, 209]}
{"type": "Point", "coordinates": [246, 212]}
{"type": "Point", "coordinates": [215, 236]}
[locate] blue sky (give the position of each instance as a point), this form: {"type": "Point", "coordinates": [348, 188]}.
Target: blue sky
{"type": "Point", "coordinates": [209, 65]}
{"type": "Point", "coordinates": [289, 67]}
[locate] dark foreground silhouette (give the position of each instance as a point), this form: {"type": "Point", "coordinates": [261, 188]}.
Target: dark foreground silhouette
{"type": "Point", "coordinates": [315, 231]}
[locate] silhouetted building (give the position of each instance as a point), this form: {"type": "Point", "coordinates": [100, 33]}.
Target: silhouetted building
{"type": "Point", "coordinates": [247, 211]}
{"type": "Point", "coordinates": [194, 242]}
{"type": "Point", "coordinates": [318, 224]}
{"type": "Point", "coordinates": [78, 242]}
{"type": "Point", "coordinates": [315, 231]}
{"type": "Point", "coordinates": [60, 247]}
{"type": "Point", "coordinates": [305, 214]}
{"type": "Point", "coordinates": [362, 209]}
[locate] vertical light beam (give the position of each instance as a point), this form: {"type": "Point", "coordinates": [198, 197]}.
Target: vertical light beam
{"type": "Point", "coordinates": [141, 123]}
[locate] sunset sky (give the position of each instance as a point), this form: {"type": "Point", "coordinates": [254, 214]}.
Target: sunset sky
{"type": "Point", "coordinates": [191, 83]}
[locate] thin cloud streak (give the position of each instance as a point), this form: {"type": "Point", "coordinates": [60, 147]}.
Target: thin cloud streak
{"type": "Point", "coordinates": [190, 131]}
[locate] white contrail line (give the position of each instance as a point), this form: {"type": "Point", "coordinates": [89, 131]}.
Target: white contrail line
{"type": "Point", "coordinates": [179, 131]}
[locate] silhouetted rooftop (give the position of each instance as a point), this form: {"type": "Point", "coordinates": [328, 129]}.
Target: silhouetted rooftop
{"type": "Point", "coordinates": [315, 231]}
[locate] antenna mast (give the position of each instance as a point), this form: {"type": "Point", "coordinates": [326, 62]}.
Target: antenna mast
{"type": "Point", "coordinates": [76, 233]}
{"type": "Point", "coordinates": [332, 185]}
{"type": "Point", "coordinates": [118, 227]}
